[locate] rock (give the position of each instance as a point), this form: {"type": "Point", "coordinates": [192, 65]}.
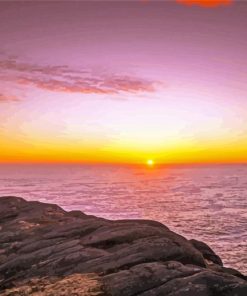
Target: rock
{"type": "Point", "coordinates": [44, 248]}
{"type": "Point", "coordinates": [76, 284]}
{"type": "Point", "coordinates": [170, 278]}
{"type": "Point", "coordinates": [206, 251]}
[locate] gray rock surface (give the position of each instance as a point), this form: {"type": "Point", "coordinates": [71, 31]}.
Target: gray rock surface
{"type": "Point", "coordinates": [129, 257]}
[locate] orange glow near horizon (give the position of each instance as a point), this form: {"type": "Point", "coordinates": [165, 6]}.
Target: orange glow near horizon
{"type": "Point", "coordinates": [180, 154]}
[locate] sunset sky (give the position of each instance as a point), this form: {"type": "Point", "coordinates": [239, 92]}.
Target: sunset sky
{"type": "Point", "coordinates": [123, 82]}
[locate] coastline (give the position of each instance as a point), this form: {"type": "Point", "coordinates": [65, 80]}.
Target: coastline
{"type": "Point", "coordinates": [43, 246]}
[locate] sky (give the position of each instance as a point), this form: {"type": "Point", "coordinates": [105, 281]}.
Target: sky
{"type": "Point", "coordinates": [123, 81]}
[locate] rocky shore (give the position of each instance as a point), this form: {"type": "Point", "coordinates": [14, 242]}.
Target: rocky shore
{"type": "Point", "coordinates": [45, 250]}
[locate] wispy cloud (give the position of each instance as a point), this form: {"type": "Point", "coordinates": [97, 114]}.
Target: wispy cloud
{"type": "Point", "coordinates": [8, 98]}
{"type": "Point", "coordinates": [65, 79]}
{"type": "Point", "coordinates": [206, 3]}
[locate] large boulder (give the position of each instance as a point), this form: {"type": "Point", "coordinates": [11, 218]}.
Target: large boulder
{"type": "Point", "coordinates": [40, 242]}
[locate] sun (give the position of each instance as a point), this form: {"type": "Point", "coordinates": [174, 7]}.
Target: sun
{"type": "Point", "coordinates": [150, 162]}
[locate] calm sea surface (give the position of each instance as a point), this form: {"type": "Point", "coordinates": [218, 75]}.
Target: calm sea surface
{"type": "Point", "coordinates": [208, 203]}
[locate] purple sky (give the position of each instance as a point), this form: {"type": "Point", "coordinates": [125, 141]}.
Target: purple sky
{"type": "Point", "coordinates": [124, 81]}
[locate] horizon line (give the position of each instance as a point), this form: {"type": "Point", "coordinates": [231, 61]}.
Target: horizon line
{"type": "Point", "coordinates": [156, 164]}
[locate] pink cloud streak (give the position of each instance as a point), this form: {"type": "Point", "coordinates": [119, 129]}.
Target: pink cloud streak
{"type": "Point", "coordinates": [8, 98]}
{"type": "Point", "coordinates": [64, 79]}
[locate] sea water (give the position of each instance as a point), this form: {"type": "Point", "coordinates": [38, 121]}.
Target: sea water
{"type": "Point", "coordinates": [208, 203]}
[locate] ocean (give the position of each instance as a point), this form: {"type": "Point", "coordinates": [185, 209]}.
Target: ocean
{"type": "Point", "coordinates": [208, 203]}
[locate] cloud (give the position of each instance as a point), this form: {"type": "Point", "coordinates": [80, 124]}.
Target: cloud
{"type": "Point", "coordinates": [104, 85]}
{"type": "Point", "coordinates": [206, 3]}
{"type": "Point", "coordinates": [65, 79]}
{"type": "Point", "coordinates": [8, 98]}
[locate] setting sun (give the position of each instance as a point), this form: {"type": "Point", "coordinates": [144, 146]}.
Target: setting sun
{"type": "Point", "coordinates": [150, 162]}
